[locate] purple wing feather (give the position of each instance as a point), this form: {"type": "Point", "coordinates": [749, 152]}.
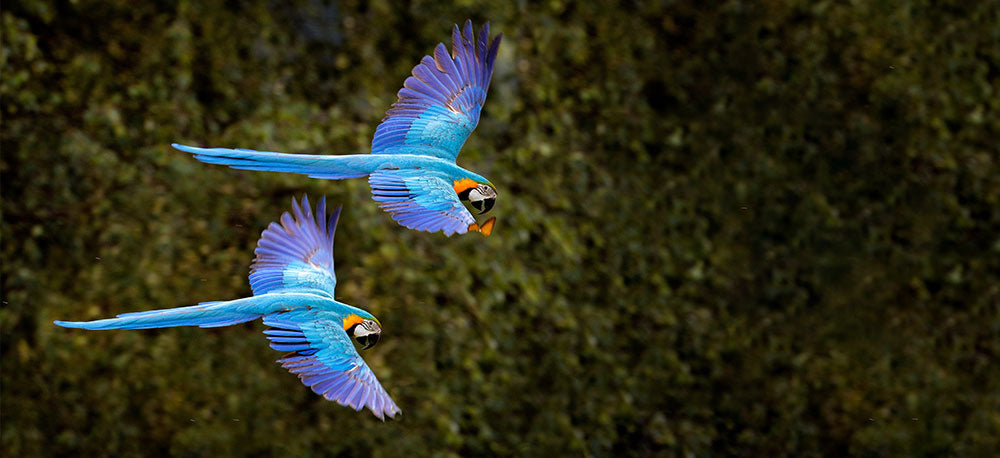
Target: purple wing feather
{"type": "Point", "coordinates": [421, 202]}
{"type": "Point", "coordinates": [325, 360]}
{"type": "Point", "coordinates": [297, 255]}
{"type": "Point", "coordinates": [438, 107]}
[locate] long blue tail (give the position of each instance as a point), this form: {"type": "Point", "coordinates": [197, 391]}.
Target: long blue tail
{"type": "Point", "coordinates": [331, 167]}
{"type": "Point", "coordinates": [206, 314]}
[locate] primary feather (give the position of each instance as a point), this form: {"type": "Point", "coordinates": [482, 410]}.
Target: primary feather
{"type": "Point", "coordinates": [439, 105]}
{"type": "Point", "coordinates": [298, 254]}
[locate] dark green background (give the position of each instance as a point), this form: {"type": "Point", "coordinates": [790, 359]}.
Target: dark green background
{"type": "Point", "coordinates": [748, 228]}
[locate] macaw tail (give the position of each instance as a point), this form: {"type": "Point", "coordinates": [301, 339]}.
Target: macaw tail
{"type": "Point", "coordinates": [331, 167]}
{"type": "Point", "coordinates": [206, 314]}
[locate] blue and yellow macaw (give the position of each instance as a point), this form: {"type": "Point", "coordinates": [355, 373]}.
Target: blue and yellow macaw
{"type": "Point", "coordinates": [411, 168]}
{"type": "Point", "coordinates": [293, 282]}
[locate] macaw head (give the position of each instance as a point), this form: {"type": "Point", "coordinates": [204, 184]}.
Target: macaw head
{"type": "Point", "coordinates": [366, 331]}
{"type": "Point", "coordinates": [482, 196]}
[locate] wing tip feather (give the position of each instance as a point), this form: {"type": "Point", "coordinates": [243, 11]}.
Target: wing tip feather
{"type": "Point", "coordinates": [444, 80]}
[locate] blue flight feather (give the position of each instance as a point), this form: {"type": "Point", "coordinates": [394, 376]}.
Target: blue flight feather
{"type": "Point", "coordinates": [298, 254]}
{"type": "Point", "coordinates": [420, 202]}
{"type": "Point", "coordinates": [330, 363]}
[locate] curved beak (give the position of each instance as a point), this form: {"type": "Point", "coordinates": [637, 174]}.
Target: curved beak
{"type": "Point", "coordinates": [484, 205]}
{"type": "Point", "coordinates": [368, 341]}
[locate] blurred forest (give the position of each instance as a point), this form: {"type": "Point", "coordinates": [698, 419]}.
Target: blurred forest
{"type": "Point", "coordinates": [728, 229]}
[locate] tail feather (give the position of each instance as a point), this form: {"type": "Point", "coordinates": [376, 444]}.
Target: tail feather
{"type": "Point", "coordinates": [205, 315]}
{"type": "Point", "coordinates": [333, 167]}
{"type": "Point", "coordinates": [208, 314]}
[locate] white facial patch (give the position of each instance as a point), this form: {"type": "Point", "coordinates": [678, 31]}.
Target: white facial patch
{"type": "Point", "coordinates": [367, 327]}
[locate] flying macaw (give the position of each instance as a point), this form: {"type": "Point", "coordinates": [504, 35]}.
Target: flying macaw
{"type": "Point", "coordinates": [411, 169]}
{"type": "Point", "coordinates": [293, 280]}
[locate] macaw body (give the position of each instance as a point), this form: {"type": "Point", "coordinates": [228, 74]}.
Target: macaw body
{"type": "Point", "coordinates": [412, 167]}
{"type": "Point", "coordinates": [293, 281]}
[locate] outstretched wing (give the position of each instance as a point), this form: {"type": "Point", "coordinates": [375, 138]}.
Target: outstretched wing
{"type": "Point", "coordinates": [438, 107]}
{"type": "Point", "coordinates": [420, 201]}
{"type": "Point", "coordinates": [325, 360]}
{"type": "Point", "coordinates": [298, 254]}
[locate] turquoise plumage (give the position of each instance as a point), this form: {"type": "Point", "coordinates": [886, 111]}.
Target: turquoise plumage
{"type": "Point", "coordinates": [293, 281]}
{"type": "Point", "coordinates": [412, 167]}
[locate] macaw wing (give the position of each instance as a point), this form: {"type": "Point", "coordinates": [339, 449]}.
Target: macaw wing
{"type": "Point", "coordinates": [438, 107]}
{"type": "Point", "coordinates": [297, 255]}
{"type": "Point", "coordinates": [421, 202]}
{"type": "Point", "coordinates": [324, 358]}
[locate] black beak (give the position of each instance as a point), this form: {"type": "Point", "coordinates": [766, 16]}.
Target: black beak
{"type": "Point", "coordinates": [484, 205]}
{"type": "Point", "coordinates": [368, 341]}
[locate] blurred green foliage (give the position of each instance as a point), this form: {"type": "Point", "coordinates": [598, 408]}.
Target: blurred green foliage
{"type": "Point", "coordinates": [746, 228]}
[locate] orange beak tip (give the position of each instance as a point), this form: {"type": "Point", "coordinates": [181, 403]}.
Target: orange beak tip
{"type": "Point", "coordinates": [487, 227]}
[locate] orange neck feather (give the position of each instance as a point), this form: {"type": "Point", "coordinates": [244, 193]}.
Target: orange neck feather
{"type": "Point", "coordinates": [351, 320]}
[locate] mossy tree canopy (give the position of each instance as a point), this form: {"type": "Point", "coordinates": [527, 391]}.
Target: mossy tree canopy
{"type": "Point", "coordinates": [748, 228]}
